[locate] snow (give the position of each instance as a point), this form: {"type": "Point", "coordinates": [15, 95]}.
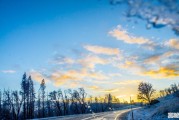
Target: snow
{"type": "Point", "coordinates": [158, 111]}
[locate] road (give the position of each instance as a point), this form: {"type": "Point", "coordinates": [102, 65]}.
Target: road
{"type": "Point", "coordinates": [112, 115]}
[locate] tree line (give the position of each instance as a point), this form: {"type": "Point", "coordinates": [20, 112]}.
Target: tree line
{"type": "Point", "coordinates": [146, 92]}
{"type": "Point", "coordinates": [28, 104]}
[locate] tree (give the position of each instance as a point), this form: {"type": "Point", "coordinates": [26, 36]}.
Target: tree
{"type": "Point", "coordinates": [31, 97]}
{"type": "Point", "coordinates": [0, 104]}
{"type": "Point", "coordinates": [23, 92]}
{"type": "Point", "coordinates": [146, 92]}
{"type": "Point", "coordinates": [82, 97]}
{"type": "Point", "coordinates": [39, 105]}
{"type": "Point", "coordinates": [7, 104]}
{"type": "Point", "coordinates": [16, 104]}
{"type": "Point", "coordinates": [28, 96]}
{"type": "Point", "coordinates": [55, 98]}
{"type": "Point", "coordinates": [162, 93]}
{"type": "Point", "coordinates": [49, 110]}
{"type": "Point", "coordinates": [109, 101]}
{"type": "Point", "coordinates": [42, 90]}
{"type": "Point", "coordinates": [174, 87]}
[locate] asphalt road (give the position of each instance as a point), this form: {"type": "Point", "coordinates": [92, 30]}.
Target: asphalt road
{"type": "Point", "coordinates": [113, 115]}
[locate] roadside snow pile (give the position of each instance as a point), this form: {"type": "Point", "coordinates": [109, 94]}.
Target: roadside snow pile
{"type": "Point", "coordinates": [158, 111]}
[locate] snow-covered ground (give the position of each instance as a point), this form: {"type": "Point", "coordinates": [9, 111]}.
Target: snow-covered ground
{"type": "Point", "coordinates": [158, 111]}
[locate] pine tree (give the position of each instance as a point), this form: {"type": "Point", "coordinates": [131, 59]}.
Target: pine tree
{"type": "Point", "coordinates": [42, 89]}
{"type": "Point", "coordinates": [31, 97]}
{"type": "Point", "coordinates": [23, 92]}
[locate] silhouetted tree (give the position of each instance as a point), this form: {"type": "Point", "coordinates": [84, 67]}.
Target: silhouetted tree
{"type": "Point", "coordinates": [1, 105]}
{"type": "Point", "coordinates": [31, 98]}
{"type": "Point", "coordinates": [162, 93]}
{"type": "Point", "coordinates": [146, 92]}
{"type": "Point", "coordinates": [6, 105]}
{"type": "Point", "coordinates": [24, 94]}
{"type": "Point", "coordinates": [16, 104]}
{"type": "Point", "coordinates": [109, 101]}
{"type": "Point", "coordinates": [38, 105]}
{"type": "Point", "coordinates": [42, 90]}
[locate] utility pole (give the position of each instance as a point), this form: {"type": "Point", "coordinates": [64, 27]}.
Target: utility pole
{"type": "Point", "coordinates": [132, 116]}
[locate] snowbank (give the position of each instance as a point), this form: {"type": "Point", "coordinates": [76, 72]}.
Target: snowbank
{"type": "Point", "coordinates": [158, 111]}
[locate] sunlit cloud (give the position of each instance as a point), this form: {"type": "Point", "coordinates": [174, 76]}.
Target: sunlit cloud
{"type": "Point", "coordinates": [162, 72]}
{"type": "Point", "coordinates": [128, 82]}
{"type": "Point", "coordinates": [121, 96]}
{"type": "Point", "coordinates": [173, 43]}
{"type": "Point", "coordinates": [37, 76]}
{"type": "Point", "coordinates": [94, 87]}
{"type": "Point", "coordinates": [91, 60]}
{"type": "Point", "coordinates": [60, 78]}
{"type": "Point", "coordinates": [8, 71]}
{"type": "Point", "coordinates": [132, 66]}
{"type": "Point", "coordinates": [102, 50]}
{"type": "Point", "coordinates": [101, 82]}
{"type": "Point", "coordinates": [120, 34]}
{"type": "Point", "coordinates": [157, 58]}
{"type": "Point", "coordinates": [110, 90]}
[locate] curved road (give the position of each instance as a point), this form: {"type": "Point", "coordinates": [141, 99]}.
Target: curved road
{"type": "Point", "coordinates": [113, 115]}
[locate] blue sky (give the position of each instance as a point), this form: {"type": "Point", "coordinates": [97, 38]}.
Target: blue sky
{"type": "Point", "coordinates": [84, 43]}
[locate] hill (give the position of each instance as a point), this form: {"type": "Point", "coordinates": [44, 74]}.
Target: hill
{"type": "Point", "coordinates": [159, 111]}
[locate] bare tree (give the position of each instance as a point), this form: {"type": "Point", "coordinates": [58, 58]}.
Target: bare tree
{"type": "Point", "coordinates": [6, 105]}
{"type": "Point", "coordinates": [146, 92]}
{"type": "Point", "coordinates": [55, 98]}
{"type": "Point", "coordinates": [82, 97]}
{"type": "Point", "coordinates": [174, 87]}
{"type": "Point", "coordinates": [162, 93]}
{"type": "Point", "coordinates": [16, 104]}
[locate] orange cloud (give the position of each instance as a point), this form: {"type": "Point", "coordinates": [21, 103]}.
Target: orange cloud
{"type": "Point", "coordinates": [174, 43]}
{"type": "Point", "coordinates": [37, 76]}
{"type": "Point", "coordinates": [102, 50]}
{"type": "Point", "coordinates": [157, 58]}
{"type": "Point", "coordinates": [93, 87]}
{"type": "Point", "coordinates": [60, 78]}
{"type": "Point", "coordinates": [120, 34]}
{"type": "Point", "coordinates": [110, 90]}
{"type": "Point", "coordinates": [162, 72]}
{"type": "Point", "coordinates": [128, 82]}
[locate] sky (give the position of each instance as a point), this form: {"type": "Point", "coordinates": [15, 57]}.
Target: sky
{"type": "Point", "coordinates": [84, 43]}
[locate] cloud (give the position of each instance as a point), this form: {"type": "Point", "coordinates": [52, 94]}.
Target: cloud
{"type": "Point", "coordinates": [120, 34]}
{"type": "Point", "coordinates": [37, 76]}
{"type": "Point", "coordinates": [162, 72]}
{"type": "Point", "coordinates": [115, 75]}
{"type": "Point", "coordinates": [102, 50]}
{"type": "Point", "coordinates": [173, 43]}
{"type": "Point", "coordinates": [157, 58]}
{"type": "Point", "coordinates": [94, 87]}
{"type": "Point", "coordinates": [8, 71]}
{"type": "Point", "coordinates": [60, 78]}
{"type": "Point", "coordinates": [128, 82]}
{"type": "Point", "coordinates": [132, 66]}
{"type": "Point", "coordinates": [91, 60]}
{"type": "Point", "coordinates": [59, 59]}
{"type": "Point", "coordinates": [165, 13]}
{"type": "Point", "coordinates": [110, 90]}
